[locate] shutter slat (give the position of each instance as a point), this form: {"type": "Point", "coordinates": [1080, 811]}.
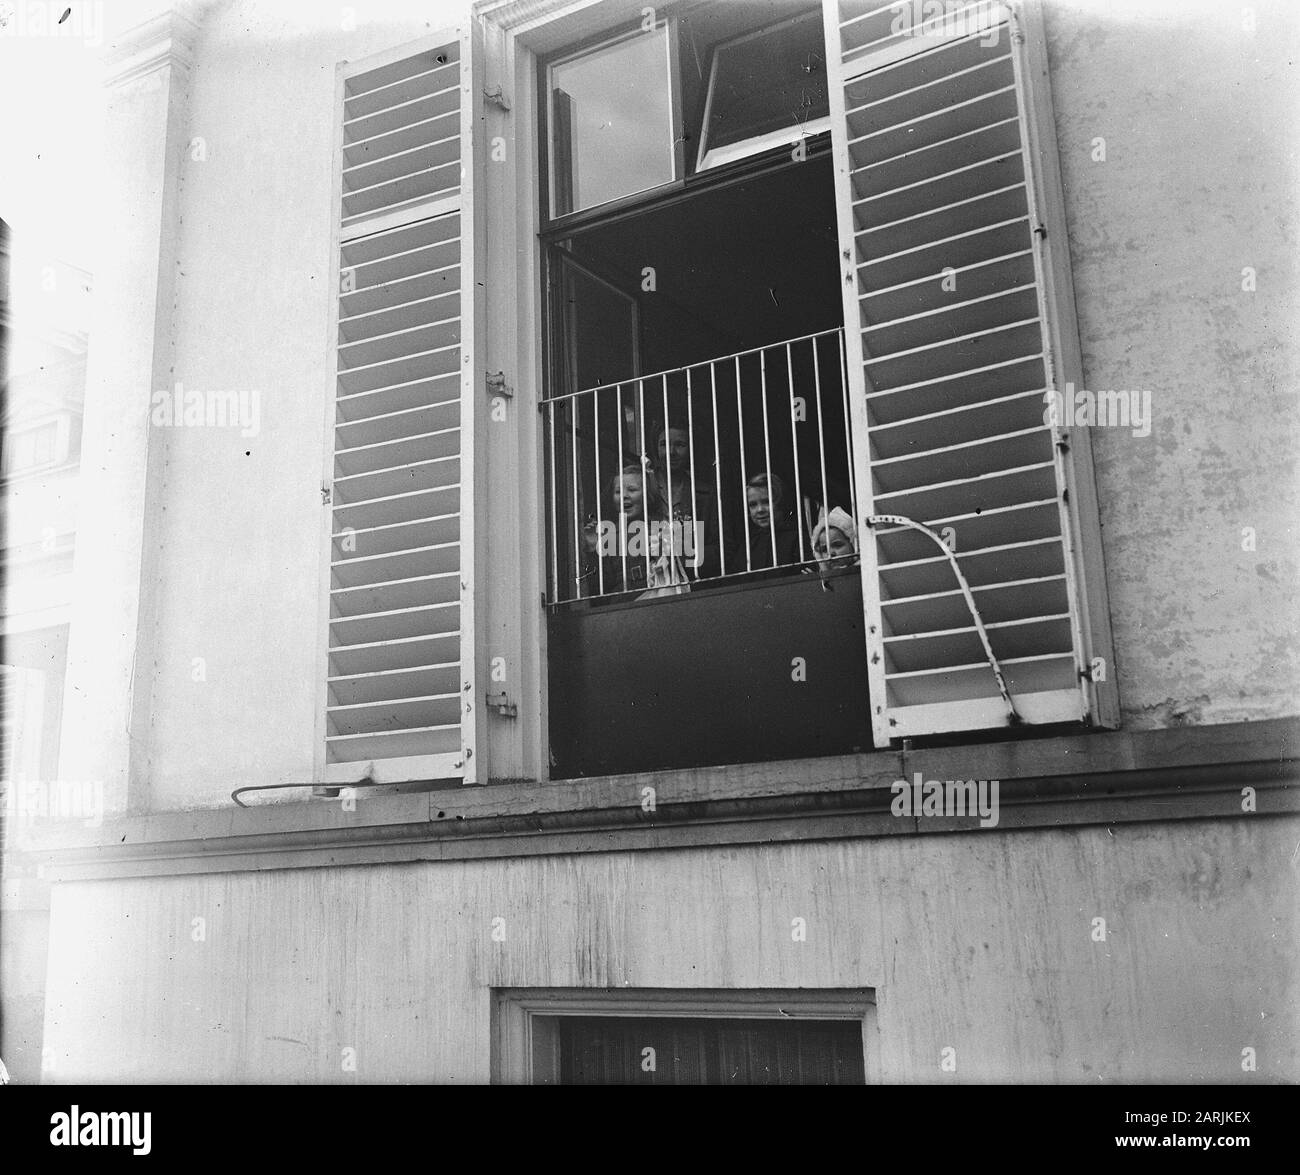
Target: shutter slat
{"type": "Point", "coordinates": [387, 320]}
{"type": "Point", "coordinates": [397, 508]}
{"type": "Point", "coordinates": [394, 744]}
{"type": "Point", "coordinates": [410, 112]}
{"type": "Point", "coordinates": [430, 338]}
{"type": "Point", "coordinates": [414, 160]}
{"type": "Point", "coordinates": [362, 542]}
{"type": "Point", "coordinates": [921, 226]}
{"type": "Point", "coordinates": [397, 397]}
{"type": "Point", "coordinates": [398, 450]}
{"type": "Point", "coordinates": [370, 627]}
{"type": "Point", "coordinates": [413, 587]}
{"type": "Point", "coordinates": [385, 373]}
{"type": "Point", "coordinates": [395, 93]}
{"type": "Point", "coordinates": [417, 681]}
{"type": "Point", "coordinates": [982, 456]}
{"type": "Point", "coordinates": [356, 488]}
{"type": "Point", "coordinates": [380, 717]}
{"type": "Point", "coordinates": [414, 565]}
{"type": "Point", "coordinates": [392, 656]}
{"type": "Point", "coordinates": [371, 430]}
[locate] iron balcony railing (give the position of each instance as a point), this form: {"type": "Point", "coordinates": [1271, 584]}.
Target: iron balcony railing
{"type": "Point", "coordinates": [698, 474]}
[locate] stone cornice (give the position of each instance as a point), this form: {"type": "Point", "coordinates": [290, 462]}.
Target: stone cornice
{"type": "Point", "coordinates": [164, 40]}
{"type": "Point", "coordinates": [1119, 778]}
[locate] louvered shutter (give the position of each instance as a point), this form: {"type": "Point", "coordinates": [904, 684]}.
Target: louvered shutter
{"type": "Point", "coordinates": [959, 316]}
{"type": "Point", "coordinates": [400, 700]}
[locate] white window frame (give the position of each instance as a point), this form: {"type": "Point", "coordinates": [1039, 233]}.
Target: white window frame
{"type": "Point", "coordinates": [710, 157]}
{"type": "Point", "coordinates": [525, 1052]}
{"type": "Point", "coordinates": [59, 449]}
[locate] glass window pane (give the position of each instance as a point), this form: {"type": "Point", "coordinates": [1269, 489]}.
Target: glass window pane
{"type": "Point", "coordinates": [769, 83]}
{"type": "Point", "coordinates": [611, 123]}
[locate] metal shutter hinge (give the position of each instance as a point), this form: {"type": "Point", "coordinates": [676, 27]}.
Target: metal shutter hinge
{"type": "Point", "coordinates": [496, 97]}
{"type": "Point", "coordinates": [504, 706]}
{"type": "Point", "coordinates": [497, 386]}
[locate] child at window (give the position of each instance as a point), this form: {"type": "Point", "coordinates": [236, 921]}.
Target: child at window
{"type": "Point", "coordinates": [834, 537]}
{"type": "Point", "coordinates": [636, 501]}
{"type": "Point", "coordinates": [767, 515]}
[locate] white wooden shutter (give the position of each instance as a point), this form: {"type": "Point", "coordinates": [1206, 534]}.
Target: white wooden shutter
{"type": "Point", "coordinates": [959, 315]}
{"type": "Point", "coordinates": [400, 698]}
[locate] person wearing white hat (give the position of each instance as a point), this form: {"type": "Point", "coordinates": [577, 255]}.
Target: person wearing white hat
{"type": "Point", "coordinates": [834, 536]}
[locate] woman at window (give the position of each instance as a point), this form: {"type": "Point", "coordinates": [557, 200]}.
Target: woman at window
{"type": "Point", "coordinates": [690, 504]}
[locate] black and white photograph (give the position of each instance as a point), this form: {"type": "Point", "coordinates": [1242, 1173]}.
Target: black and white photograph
{"type": "Point", "coordinates": [582, 542]}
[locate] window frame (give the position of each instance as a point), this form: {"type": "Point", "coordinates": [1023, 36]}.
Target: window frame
{"type": "Point", "coordinates": [519, 43]}
{"type": "Point", "coordinates": [755, 144]}
{"type": "Point", "coordinates": [573, 52]}
{"type": "Point", "coordinates": [523, 1042]}
{"type": "Point", "coordinates": [60, 445]}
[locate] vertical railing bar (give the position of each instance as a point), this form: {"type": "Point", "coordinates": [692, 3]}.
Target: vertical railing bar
{"type": "Point", "coordinates": [622, 518]}
{"type": "Point", "coordinates": [645, 491]}
{"type": "Point", "coordinates": [555, 532]}
{"type": "Point", "coordinates": [600, 565]}
{"type": "Point", "coordinates": [577, 539]}
{"type": "Point", "coordinates": [668, 470]}
{"type": "Point", "coordinates": [767, 457]}
{"type": "Point", "coordinates": [821, 447]}
{"type": "Point", "coordinates": [690, 436]}
{"type": "Point", "coordinates": [744, 482]}
{"type": "Point", "coordinates": [794, 449]}
{"type": "Point", "coordinates": [717, 465]}
{"type": "Point", "coordinates": [848, 428]}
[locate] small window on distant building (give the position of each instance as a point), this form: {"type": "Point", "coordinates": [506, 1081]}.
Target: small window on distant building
{"type": "Point", "coordinates": [766, 89]}
{"type": "Point", "coordinates": [611, 120]}
{"type": "Point", "coordinates": [37, 447]}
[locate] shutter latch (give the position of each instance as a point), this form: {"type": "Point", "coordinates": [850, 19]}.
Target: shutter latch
{"type": "Point", "coordinates": [497, 386]}
{"type": "Point", "coordinates": [504, 706]}
{"type": "Point", "coordinates": [496, 97]}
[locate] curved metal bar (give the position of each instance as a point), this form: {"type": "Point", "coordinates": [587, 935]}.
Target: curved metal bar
{"type": "Point", "coordinates": [876, 520]}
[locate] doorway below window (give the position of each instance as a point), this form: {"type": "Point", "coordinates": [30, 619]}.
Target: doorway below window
{"type": "Point", "coordinates": [628, 1036]}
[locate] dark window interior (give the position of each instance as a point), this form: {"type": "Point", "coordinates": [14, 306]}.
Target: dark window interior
{"type": "Point", "coordinates": [712, 309]}
{"type": "Point", "coordinates": [609, 1050]}
{"type": "Point", "coordinates": [736, 266]}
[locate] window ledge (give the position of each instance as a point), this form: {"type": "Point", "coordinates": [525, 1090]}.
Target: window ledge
{"type": "Point", "coordinates": [1096, 778]}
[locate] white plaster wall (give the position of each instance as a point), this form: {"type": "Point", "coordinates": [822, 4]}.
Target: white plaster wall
{"type": "Point", "coordinates": [240, 535]}
{"type": "Point", "coordinates": [1198, 183]}
{"type": "Point", "coordinates": [981, 942]}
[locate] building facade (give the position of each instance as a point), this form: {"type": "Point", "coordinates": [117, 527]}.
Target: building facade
{"type": "Point", "coordinates": [932, 720]}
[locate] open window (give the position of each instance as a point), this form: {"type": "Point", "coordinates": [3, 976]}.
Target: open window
{"type": "Point", "coordinates": [766, 89]}
{"type": "Point", "coordinates": [872, 331]}
{"type": "Point", "coordinates": [697, 440]}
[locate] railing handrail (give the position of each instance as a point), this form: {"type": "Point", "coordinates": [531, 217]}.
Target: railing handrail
{"type": "Point", "coordinates": [633, 379]}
